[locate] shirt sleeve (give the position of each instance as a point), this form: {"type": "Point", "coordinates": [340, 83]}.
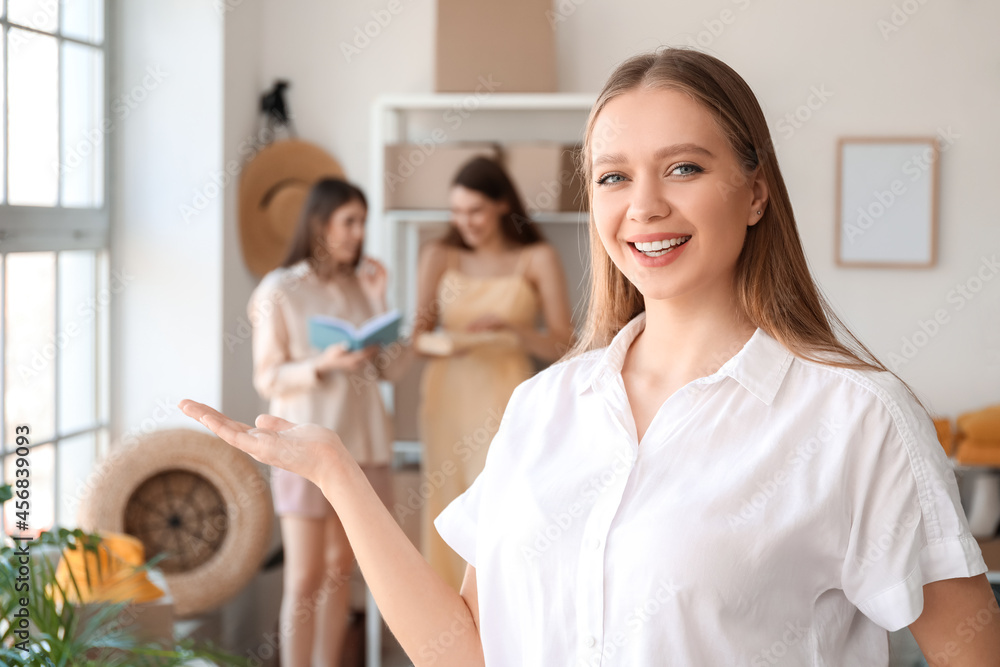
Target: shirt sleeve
{"type": "Point", "coordinates": [908, 527]}
{"type": "Point", "coordinates": [458, 523]}
{"type": "Point", "coordinates": [274, 372]}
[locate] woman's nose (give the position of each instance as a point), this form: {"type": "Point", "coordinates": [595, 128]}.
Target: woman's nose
{"type": "Point", "coordinates": [648, 200]}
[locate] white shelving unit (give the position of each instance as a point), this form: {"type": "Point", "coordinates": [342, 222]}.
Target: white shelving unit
{"type": "Point", "coordinates": [394, 236]}
{"type": "Point", "coordinates": [496, 117]}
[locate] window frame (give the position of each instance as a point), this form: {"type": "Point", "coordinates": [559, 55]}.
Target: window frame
{"type": "Point", "coordinates": [56, 229]}
{"type": "Point", "coordinates": [38, 228]}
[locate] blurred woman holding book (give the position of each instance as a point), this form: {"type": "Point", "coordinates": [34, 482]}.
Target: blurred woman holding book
{"type": "Point", "coordinates": [324, 274]}
{"type": "Point", "coordinates": [486, 283]}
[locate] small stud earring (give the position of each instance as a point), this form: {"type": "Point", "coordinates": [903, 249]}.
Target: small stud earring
{"type": "Point", "coordinates": [758, 212]}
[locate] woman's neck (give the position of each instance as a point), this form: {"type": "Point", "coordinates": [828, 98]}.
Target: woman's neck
{"type": "Point", "coordinates": [329, 271]}
{"type": "Point", "coordinates": [496, 246]}
{"type": "Point", "coordinates": [688, 337]}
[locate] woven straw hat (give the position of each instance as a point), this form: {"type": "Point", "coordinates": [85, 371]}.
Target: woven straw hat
{"type": "Point", "coordinates": [273, 188]}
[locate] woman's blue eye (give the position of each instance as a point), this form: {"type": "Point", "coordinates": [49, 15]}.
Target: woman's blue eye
{"type": "Point", "coordinates": [694, 169]}
{"type": "Point", "coordinates": [604, 179]}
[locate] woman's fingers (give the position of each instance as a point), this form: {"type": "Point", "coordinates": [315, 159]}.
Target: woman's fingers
{"type": "Point", "coordinates": [234, 432]}
{"type": "Point", "coordinates": [274, 441]}
{"type": "Point", "coordinates": [200, 411]}
{"type": "Point", "coordinates": [272, 423]}
{"type": "Point", "coordinates": [194, 409]}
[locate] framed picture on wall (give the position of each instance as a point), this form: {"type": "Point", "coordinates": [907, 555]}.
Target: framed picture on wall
{"type": "Point", "coordinates": [887, 202]}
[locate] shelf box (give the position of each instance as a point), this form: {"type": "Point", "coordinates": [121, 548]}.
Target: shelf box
{"type": "Point", "coordinates": [491, 47]}
{"type": "Point", "coordinates": [418, 176]}
{"type": "Point", "coordinates": [546, 176]}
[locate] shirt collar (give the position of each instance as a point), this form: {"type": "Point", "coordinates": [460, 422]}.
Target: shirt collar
{"type": "Point", "coordinates": [759, 366]}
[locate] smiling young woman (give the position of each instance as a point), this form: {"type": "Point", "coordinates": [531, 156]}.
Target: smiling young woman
{"type": "Point", "coordinates": [711, 477]}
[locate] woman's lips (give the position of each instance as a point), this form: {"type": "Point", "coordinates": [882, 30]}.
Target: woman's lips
{"type": "Point", "coordinates": [663, 259]}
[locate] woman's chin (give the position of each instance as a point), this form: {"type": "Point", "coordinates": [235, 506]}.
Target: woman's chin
{"type": "Point", "coordinates": [655, 287]}
{"type": "Point", "coordinates": [345, 257]}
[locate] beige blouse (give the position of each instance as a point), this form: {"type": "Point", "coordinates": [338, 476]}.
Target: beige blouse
{"type": "Point", "coordinates": [284, 363]}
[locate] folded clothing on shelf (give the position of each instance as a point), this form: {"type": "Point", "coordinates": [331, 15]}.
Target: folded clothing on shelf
{"type": "Point", "coordinates": [982, 424]}
{"type": "Point", "coordinates": [943, 427]}
{"type": "Point", "coordinates": [978, 437]}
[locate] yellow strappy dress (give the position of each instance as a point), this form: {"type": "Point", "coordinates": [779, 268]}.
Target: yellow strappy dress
{"type": "Point", "coordinates": [463, 396]}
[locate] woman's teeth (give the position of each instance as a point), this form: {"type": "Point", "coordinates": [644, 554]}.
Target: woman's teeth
{"type": "Point", "coordinates": [657, 248]}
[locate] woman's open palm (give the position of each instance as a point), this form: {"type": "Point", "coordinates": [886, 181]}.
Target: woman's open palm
{"type": "Point", "coordinates": [304, 449]}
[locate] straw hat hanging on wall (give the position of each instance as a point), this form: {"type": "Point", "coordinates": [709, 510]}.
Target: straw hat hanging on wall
{"type": "Point", "coordinates": [273, 188]}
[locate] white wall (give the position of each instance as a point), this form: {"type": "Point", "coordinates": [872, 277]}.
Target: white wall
{"type": "Point", "coordinates": [166, 324]}
{"type": "Point", "coordinates": [243, 137]}
{"type": "Point", "coordinates": [169, 234]}
{"type": "Point", "coordinates": [933, 72]}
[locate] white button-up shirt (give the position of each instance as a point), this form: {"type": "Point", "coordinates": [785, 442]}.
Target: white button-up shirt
{"type": "Point", "coordinates": [777, 511]}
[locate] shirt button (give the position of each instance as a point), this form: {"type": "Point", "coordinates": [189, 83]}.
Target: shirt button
{"type": "Point", "coordinates": [595, 543]}
{"type": "Point", "coordinates": [590, 641]}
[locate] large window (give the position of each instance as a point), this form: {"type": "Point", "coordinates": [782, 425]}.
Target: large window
{"type": "Point", "coordinates": [55, 286]}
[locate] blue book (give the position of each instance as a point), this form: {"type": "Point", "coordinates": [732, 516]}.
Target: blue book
{"type": "Point", "coordinates": [325, 330]}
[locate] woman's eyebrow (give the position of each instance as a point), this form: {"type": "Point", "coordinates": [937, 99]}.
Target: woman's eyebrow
{"type": "Point", "coordinates": [667, 151]}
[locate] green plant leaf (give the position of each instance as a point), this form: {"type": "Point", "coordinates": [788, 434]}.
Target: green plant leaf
{"type": "Point", "coordinates": [65, 635]}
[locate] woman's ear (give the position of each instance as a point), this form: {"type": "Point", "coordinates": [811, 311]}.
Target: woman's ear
{"type": "Point", "coordinates": [759, 203]}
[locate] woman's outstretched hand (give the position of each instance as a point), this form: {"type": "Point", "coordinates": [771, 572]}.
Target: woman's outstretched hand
{"type": "Point", "coordinates": [304, 449]}
{"type": "Point", "coordinates": [374, 278]}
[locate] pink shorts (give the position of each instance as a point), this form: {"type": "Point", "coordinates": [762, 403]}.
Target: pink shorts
{"type": "Point", "coordinates": [294, 494]}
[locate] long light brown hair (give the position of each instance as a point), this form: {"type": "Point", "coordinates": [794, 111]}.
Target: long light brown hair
{"type": "Point", "coordinates": [773, 285]}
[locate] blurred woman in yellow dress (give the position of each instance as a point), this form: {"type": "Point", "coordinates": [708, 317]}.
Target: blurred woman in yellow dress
{"type": "Point", "coordinates": [486, 283]}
